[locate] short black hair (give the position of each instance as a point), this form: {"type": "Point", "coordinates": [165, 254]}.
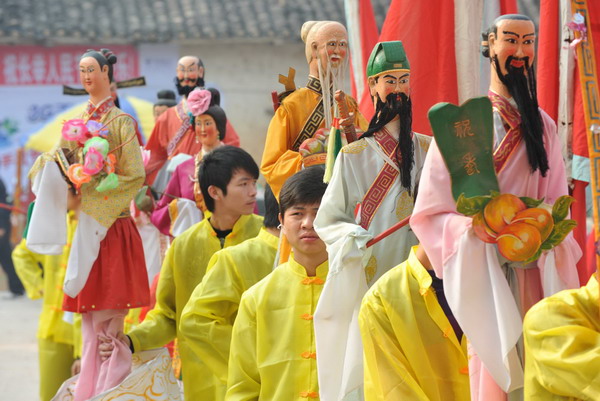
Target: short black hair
{"type": "Point", "coordinates": [271, 209]}
{"type": "Point", "coordinates": [217, 167]}
{"type": "Point", "coordinates": [303, 188]}
{"type": "Point", "coordinates": [485, 47]}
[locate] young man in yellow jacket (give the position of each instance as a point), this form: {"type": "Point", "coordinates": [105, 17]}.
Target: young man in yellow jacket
{"type": "Point", "coordinates": [227, 178]}
{"type": "Point", "coordinates": [207, 319]}
{"type": "Point", "coordinates": [59, 342]}
{"type": "Point", "coordinates": [413, 346]}
{"type": "Point", "coordinates": [272, 354]}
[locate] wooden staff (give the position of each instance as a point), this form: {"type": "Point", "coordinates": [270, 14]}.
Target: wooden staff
{"type": "Point", "coordinates": [389, 231]}
{"type": "Point", "coordinates": [349, 130]}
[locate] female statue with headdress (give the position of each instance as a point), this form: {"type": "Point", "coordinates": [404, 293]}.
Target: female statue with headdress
{"type": "Point", "coordinates": [98, 154]}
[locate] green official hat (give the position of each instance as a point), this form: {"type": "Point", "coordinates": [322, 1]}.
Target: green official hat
{"type": "Point", "coordinates": [387, 56]}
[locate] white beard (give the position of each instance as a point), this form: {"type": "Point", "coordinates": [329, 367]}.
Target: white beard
{"type": "Point", "coordinates": [336, 75]}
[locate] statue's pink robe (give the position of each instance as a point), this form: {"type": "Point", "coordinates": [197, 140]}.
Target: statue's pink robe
{"type": "Point", "coordinates": [474, 283]}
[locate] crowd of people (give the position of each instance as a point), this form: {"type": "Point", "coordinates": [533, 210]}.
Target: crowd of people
{"type": "Point", "coordinates": [134, 250]}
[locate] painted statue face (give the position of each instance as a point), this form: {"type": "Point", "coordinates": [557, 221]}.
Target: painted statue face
{"type": "Point", "coordinates": [297, 224]}
{"type": "Point", "coordinates": [390, 82]}
{"type": "Point", "coordinates": [188, 71]}
{"type": "Point", "coordinates": [516, 39]}
{"type": "Point", "coordinates": [331, 43]}
{"type": "Point", "coordinates": [93, 78]}
{"type": "Point", "coordinates": [206, 130]}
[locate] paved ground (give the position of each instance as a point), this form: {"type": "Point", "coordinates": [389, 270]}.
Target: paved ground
{"type": "Point", "coordinates": [19, 377]}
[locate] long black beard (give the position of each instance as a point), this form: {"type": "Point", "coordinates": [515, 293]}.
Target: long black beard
{"type": "Point", "coordinates": [523, 89]}
{"type": "Point", "coordinates": [397, 105]}
{"type": "Point", "coordinates": [186, 90]}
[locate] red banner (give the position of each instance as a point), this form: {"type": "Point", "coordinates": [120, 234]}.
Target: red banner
{"type": "Point", "coordinates": [38, 65]}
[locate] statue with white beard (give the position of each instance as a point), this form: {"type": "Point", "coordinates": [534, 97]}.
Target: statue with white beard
{"type": "Point", "coordinates": [306, 110]}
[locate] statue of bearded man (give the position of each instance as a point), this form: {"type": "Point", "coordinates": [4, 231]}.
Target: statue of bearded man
{"type": "Point", "coordinates": [173, 133]}
{"type": "Point", "coordinates": [485, 290]}
{"type": "Point", "coordinates": [308, 109]}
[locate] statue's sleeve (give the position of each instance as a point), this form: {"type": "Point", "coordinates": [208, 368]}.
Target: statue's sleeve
{"type": "Point", "coordinates": [558, 266]}
{"type": "Point", "coordinates": [335, 320]}
{"type": "Point", "coordinates": [157, 145]}
{"type": "Point", "coordinates": [161, 217]}
{"type": "Point", "coordinates": [279, 162]}
{"type": "Point", "coordinates": [435, 220]}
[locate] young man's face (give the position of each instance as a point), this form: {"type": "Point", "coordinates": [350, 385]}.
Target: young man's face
{"type": "Point", "coordinates": [297, 225]}
{"type": "Point", "coordinates": [241, 194]}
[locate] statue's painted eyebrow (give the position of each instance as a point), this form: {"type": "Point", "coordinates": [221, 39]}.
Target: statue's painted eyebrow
{"type": "Point", "coordinates": [511, 33]}
{"type": "Point", "coordinates": [393, 77]}
{"type": "Point", "coordinates": [517, 35]}
{"type": "Point", "coordinates": [187, 66]}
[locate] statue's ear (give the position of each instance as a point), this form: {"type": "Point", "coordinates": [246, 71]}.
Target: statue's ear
{"type": "Point", "coordinates": [105, 69]}
{"type": "Point", "coordinates": [371, 82]}
{"type": "Point", "coordinates": [491, 42]}
{"type": "Point", "coordinates": [201, 72]}
{"type": "Point", "coordinates": [314, 48]}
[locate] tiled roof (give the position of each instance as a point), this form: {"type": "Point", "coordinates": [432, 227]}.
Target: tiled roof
{"type": "Point", "coordinates": [139, 21]}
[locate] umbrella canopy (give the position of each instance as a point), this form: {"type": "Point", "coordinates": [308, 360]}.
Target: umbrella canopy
{"type": "Point", "coordinates": [46, 137]}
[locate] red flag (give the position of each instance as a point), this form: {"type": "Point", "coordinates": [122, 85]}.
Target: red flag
{"type": "Point", "coordinates": [363, 34]}
{"type": "Point", "coordinates": [548, 57]}
{"type": "Point", "coordinates": [508, 7]}
{"type": "Point", "coordinates": [426, 28]}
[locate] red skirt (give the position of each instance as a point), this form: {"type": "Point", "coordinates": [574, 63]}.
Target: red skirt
{"type": "Point", "coordinates": [118, 279]}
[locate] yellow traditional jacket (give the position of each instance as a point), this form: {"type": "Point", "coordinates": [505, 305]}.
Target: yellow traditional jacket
{"type": "Point", "coordinates": [272, 353]}
{"type": "Point", "coordinates": [43, 276]}
{"type": "Point", "coordinates": [207, 320]}
{"type": "Point", "coordinates": [562, 346]}
{"type": "Point", "coordinates": [280, 160]}
{"type": "Point", "coordinates": [182, 270]}
{"type": "Point", "coordinates": [410, 349]}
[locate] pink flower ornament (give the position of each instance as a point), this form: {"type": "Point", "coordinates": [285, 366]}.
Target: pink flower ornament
{"type": "Point", "coordinates": [93, 162]}
{"type": "Point", "coordinates": [75, 130]}
{"type": "Point", "coordinates": [97, 129]}
{"type": "Point", "coordinates": [199, 101]}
